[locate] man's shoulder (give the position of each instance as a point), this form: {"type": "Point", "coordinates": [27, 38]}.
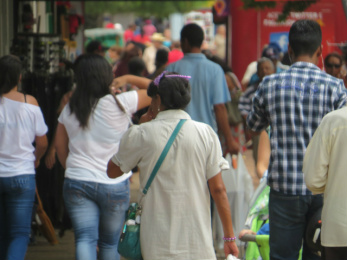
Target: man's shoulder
{"type": "Point", "coordinates": [301, 72]}
{"type": "Point", "coordinates": [203, 64]}
{"type": "Point", "coordinates": [312, 71]}
{"type": "Point", "coordinates": [325, 76]}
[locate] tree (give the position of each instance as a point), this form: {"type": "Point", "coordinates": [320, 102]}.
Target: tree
{"type": "Point", "coordinates": [158, 9]}
{"type": "Point", "coordinates": [289, 6]}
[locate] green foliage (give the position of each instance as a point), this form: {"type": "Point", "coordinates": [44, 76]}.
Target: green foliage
{"type": "Point", "coordinates": [289, 6]}
{"type": "Point", "coordinates": [158, 9]}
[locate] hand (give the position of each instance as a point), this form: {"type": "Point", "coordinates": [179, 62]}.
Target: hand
{"type": "Point", "coordinates": [150, 115]}
{"type": "Point", "coordinates": [37, 163]}
{"type": "Point", "coordinates": [145, 118]}
{"type": "Point", "coordinates": [246, 232]}
{"type": "Point", "coordinates": [231, 248]}
{"type": "Point", "coordinates": [118, 82]}
{"type": "Point", "coordinates": [233, 146]}
{"type": "Point", "coordinates": [50, 158]}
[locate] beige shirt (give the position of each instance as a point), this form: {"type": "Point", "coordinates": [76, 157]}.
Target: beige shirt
{"type": "Point", "coordinates": [325, 171]}
{"type": "Point", "coordinates": [176, 220]}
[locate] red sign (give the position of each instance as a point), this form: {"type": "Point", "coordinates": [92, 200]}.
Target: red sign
{"type": "Point", "coordinates": [282, 0]}
{"type": "Point", "coordinates": [273, 31]}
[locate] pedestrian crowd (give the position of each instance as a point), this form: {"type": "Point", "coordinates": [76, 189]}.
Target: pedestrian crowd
{"type": "Point", "coordinates": [120, 114]}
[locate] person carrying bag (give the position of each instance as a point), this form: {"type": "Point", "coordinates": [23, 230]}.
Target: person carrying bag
{"type": "Point", "coordinates": [175, 214]}
{"type": "Point", "coordinates": [129, 245]}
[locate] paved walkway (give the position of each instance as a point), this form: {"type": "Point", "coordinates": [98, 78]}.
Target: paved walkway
{"type": "Point", "coordinates": [42, 250]}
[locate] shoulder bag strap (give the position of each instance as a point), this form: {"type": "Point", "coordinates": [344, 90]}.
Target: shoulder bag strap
{"type": "Point", "coordinates": [163, 154]}
{"type": "Point", "coordinates": [120, 105]}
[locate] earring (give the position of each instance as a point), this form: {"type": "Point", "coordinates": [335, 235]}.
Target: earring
{"type": "Point", "coordinates": [158, 109]}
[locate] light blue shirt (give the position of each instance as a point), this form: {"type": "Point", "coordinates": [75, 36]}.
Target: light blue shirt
{"type": "Point", "coordinates": [208, 86]}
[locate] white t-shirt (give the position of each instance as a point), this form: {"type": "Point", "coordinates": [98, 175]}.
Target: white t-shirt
{"type": "Point", "coordinates": [176, 218]}
{"type": "Point", "coordinates": [91, 148]}
{"type": "Point", "coordinates": [20, 123]}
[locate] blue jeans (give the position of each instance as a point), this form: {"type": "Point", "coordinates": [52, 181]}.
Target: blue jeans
{"type": "Point", "coordinates": [289, 215]}
{"type": "Point", "coordinates": [17, 195]}
{"type": "Point", "coordinates": [97, 212]}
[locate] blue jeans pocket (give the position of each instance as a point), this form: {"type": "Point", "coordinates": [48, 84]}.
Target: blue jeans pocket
{"type": "Point", "coordinates": [74, 192]}
{"type": "Point", "coordinates": [23, 183]}
{"type": "Point", "coordinates": [118, 196]}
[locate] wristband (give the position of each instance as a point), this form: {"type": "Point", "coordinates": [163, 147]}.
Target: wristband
{"type": "Point", "coordinates": [229, 239]}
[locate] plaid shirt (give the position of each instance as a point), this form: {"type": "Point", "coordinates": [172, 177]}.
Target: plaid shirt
{"type": "Point", "coordinates": [293, 103]}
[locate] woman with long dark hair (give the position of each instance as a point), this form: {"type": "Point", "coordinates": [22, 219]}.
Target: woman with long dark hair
{"type": "Point", "coordinates": [90, 127]}
{"type": "Point", "coordinates": [21, 124]}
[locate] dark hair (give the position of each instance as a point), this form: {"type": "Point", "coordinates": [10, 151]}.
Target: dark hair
{"type": "Point", "coordinates": [333, 54]}
{"type": "Point", "coordinates": [93, 77]}
{"type": "Point", "coordinates": [305, 36]}
{"type": "Point", "coordinates": [161, 57]}
{"type": "Point", "coordinates": [136, 66]}
{"type": "Point", "coordinates": [94, 46]}
{"type": "Point", "coordinates": [174, 92]}
{"type": "Point", "coordinates": [286, 60]}
{"type": "Point", "coordinates": [193, 33]}
{"type": "Point", "coordinates": [10, 70]}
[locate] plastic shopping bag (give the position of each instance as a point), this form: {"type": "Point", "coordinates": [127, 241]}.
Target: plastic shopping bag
{"type": "Point", "coordinates": [239, 187]}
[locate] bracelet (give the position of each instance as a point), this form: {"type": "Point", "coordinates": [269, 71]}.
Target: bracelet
{"type": "Point", "coordinates": [229, 239]}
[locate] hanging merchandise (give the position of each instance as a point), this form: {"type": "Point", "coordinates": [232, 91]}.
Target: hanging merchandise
{"type": "Point", "coordinates": [38, 52]}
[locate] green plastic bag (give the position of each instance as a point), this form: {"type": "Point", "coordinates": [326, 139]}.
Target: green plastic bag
{"type": "Point", "coordinates": [129, 243]}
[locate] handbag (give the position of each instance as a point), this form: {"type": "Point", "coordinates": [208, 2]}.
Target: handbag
{"type": "Point", "coordinates": [44, 223]}
{"type": "Point", "coordinates": [129, 245]}
{"type": "Point", "coordinates": [234, 115]}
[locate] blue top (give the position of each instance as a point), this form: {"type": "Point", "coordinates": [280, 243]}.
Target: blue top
{"type": "Point", "coordinates": [293, 103]}
{"type": "Point", "coordinates": [208, 86]}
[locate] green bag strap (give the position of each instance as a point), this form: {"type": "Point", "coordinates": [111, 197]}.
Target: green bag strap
{"type": "Point", "coordinates": [163, 154]}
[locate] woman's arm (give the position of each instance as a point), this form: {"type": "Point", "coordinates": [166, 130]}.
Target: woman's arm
{"type": "Point", "coordinates": [143, 99]}
{"type": "Point", "coordinates": [62, 144]}
{"type": "Point", "coordinates": [41, 144]}
{"type": "Point", "coordinates": [113, 170]}
{"type": "Point", "coordinates": [264, 152]}
{"type": "Point", "coordinates": [223, 125]}
{"type": "Point", "coordinates": [139, 82]}
{"type": "Point", "coordinates": [219, 196]}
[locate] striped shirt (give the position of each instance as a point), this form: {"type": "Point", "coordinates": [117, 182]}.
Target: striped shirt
{"type": "Point", "coordinates": [245, 101]}
{"type": "Point", "coordinates": [293, 103]}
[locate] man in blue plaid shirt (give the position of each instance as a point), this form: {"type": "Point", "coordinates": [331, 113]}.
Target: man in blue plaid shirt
{"type": "Point", "coordinates": [293, 103]}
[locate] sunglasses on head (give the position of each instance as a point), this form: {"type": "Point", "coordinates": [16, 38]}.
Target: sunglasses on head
{"type": "Point", "coordinates": [330, 65]}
